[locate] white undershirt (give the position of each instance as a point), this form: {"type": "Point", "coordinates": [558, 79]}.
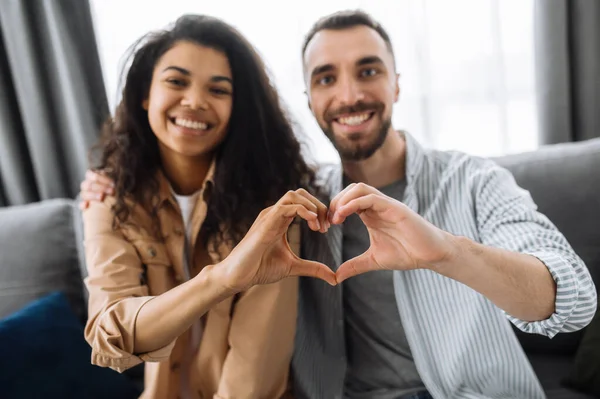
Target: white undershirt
{"type": "Point", "coordinates": [187, 204]}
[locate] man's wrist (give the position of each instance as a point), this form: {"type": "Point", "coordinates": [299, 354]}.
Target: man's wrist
{"type": "Point", "coordinates": [459, 253]}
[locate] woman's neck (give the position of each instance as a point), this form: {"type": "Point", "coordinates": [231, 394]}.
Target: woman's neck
{"type": "Point", "coordinates": [186, 174]}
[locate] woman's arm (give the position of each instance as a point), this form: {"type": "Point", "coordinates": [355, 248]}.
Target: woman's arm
{"type": "Point", "coordinates": [126, 325]}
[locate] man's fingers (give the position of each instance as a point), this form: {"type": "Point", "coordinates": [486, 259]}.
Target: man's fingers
{"type": "Point", "coordinates": [357, 205]}
{"type": "Point", "coordinates": [100, 181]}
{"type": "Point", "coordinates": [306, 268]}
{"type": "Point", "coordinates": [350, 193]}
{"type": "Point", "coordinates": [353, 267]}
{"type": "Point", "coordinates": [96, 187]}
{"type": "Point", "coordinates": [334, 202]}
{"type": "Point", "coordinates": [91, 196]}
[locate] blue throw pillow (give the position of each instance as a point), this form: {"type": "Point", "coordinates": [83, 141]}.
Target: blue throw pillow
{"type": "Point", "coordinates": [44, 354]}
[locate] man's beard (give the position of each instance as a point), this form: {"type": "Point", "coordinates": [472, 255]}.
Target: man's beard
{"type": "Point", "coordinates": [356, 152]}
{"type": "Point", "coordinates": [353, 151]}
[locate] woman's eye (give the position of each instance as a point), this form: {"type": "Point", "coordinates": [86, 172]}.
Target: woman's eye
{"type": "Point", "coordinates": [220, 91]}
{"type": "Point", "coordinates": [176, 82]}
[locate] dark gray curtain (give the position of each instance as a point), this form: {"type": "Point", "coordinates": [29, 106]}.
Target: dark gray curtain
{"type": "Point", "coordinates": [567, 40]}
{"type": "Point", "coordinates": [52, 98]}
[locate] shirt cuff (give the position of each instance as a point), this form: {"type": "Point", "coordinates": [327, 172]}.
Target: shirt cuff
{"type": "Point", "coordinates": [567, 295]}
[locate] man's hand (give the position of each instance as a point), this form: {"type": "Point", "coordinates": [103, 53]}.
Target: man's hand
{"type": "Point", "coordinates": [400, 238]}
{"type": "Point", "coordinates": [94, 188]}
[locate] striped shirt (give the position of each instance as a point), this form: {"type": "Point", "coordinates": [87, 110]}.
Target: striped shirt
{"type": "Point", "coordinates": [462, 344]}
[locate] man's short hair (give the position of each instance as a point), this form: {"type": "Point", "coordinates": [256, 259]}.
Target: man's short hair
{"type": "Point", "coordinates": [344, 20]}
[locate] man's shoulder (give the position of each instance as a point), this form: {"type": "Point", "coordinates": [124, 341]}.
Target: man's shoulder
{"type": "Point", "coordinates": [452, 164]}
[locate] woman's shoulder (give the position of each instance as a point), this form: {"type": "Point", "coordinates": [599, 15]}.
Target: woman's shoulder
{"type": "Point", "coordinates": [101, 217]}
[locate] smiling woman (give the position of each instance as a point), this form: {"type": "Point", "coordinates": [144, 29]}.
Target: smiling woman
{"type": "Point", "coordinates": [206, 170]}
{"type": "Point", "coordinates": [189, 106]}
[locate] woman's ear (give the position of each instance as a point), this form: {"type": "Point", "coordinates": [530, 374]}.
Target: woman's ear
{"type": "Point", "coordinates": [145, 104]}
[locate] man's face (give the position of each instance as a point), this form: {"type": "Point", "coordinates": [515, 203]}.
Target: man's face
{"type": "Point", "coordinates": [352, 87]}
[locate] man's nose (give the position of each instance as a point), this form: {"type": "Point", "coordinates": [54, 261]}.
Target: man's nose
{"type": "Point", "coordinates": [349, 91]}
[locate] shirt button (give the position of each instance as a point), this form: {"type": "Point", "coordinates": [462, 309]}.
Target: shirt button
{"type": "Point", "coordinates": [178, 278]}
{"type": "Point", "coordinates": [175, 366]}
{"type": "Point", "coordinates": [178, 231]}
{"type": "Point", "coordinates": [151, 252]}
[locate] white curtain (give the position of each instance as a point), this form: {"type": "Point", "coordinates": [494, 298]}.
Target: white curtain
{"type": "Point", "coordinates": [467, 74]}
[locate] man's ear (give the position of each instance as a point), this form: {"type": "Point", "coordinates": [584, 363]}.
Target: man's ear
{"type": "Point", "coordinates": [308, 100]}
{"type": "Point", "coordinates": [397, 89]}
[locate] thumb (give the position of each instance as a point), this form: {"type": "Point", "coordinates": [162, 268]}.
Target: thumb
{"type": "Point", "coordinates": [355, 266]}
{"type": "Point", "coordinates": [306, 268]}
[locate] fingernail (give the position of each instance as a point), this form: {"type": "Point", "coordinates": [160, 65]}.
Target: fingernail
{"type": "Point", "coordinates": [99, 196]}
{"type": "Point", "coordinates": [318, 224]}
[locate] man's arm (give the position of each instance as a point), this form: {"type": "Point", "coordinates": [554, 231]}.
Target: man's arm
{"type": "Point", "coordinates": [522, 242]}
{"type": "Point", "coordinates": [519, 284]}
{"type": "Point", "coordinates": [523, 264]}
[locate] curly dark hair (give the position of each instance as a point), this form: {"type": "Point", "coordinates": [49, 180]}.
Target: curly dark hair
{"type": "Point", "coordinates": [258, 161]}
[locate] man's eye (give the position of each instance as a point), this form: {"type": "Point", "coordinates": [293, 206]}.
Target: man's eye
{"type": "Point", "coordinates": [369, 72]}
{"type": "Point", "coordinates": [325, 80]}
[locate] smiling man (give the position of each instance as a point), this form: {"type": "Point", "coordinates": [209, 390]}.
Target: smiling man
{"type": "Point", "coordinates": [452, 245]}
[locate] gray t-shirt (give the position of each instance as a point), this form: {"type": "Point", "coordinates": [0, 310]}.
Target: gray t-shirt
{"type": "Point", "coordinates": [380, 365]}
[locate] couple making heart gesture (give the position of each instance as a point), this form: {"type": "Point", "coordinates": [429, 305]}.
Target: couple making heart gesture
{"type": "Point", "coordinates": [400, 239]}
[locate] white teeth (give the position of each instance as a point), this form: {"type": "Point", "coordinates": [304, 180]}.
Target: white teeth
{"type": "Point", "coordinates": [354, 120]}
{"type": "Point", "coordinates": [191, 124]}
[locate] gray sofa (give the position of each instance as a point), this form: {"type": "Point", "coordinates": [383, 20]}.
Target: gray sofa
{"type": "Point", "coordinates": [40, 247]}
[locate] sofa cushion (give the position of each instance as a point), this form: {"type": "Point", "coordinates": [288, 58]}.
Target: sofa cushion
{"type": "Point", "coordinates": [44, 354]}
{"type": "Point", "coordinates": [564, 181]}
{"type": "Point", "coordinates": [38, 255]}
{"type": "Point", "coordinates": [552, 371]}
{"type": "Point", "coordinates": [585, 374]}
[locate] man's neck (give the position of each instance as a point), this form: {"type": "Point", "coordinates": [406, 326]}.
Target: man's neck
{"type": "Point", "coordinates": [186, 174]}
{"type": "Point", "coordinates": [386, 166]}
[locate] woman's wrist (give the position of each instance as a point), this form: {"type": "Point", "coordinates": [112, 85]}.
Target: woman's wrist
{"type": "Point", "coordinates": [214, 279]}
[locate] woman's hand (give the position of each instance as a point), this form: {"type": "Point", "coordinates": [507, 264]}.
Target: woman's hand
{"type": "Point", "coordinates": [264, 255]}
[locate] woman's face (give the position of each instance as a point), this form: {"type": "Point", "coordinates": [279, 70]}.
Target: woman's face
{"type": "Point", "coordinates": [190, 100]}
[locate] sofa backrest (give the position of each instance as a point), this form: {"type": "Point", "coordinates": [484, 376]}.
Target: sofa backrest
{"type": "Point", "coordinates": [564, 181]}
{"type": "Point", "coordinates": [39, 254]}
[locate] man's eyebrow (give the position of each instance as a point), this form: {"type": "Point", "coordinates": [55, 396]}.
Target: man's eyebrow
{"type": "Point", "coordinates": [372, 59]}
{"type": "Point", "coordinates": [320, 69]}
